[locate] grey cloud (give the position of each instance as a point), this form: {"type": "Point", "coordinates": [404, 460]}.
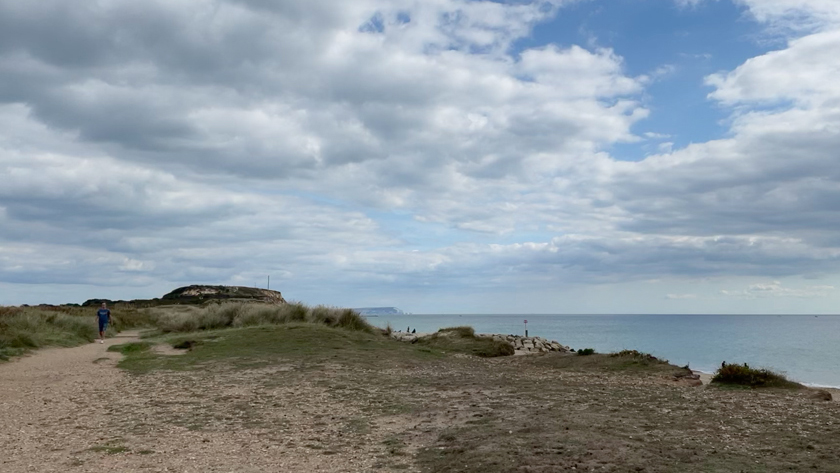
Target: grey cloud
{"type": "Point", "coordinates": [217, 141]}
{"type": "Point", "coordinates": [146, 83]}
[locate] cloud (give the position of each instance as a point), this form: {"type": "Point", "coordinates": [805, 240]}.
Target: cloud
{"type": "Point", "coordinates": [794, 15]}
{"type": "Point", "coordinates": [396, 144]}
{"type": "Point", "coordinates": [690, 3]}
{"type": "Point", "coordinates": [775, 289]}
{"type": "Point", "coordinates": [680, 296]}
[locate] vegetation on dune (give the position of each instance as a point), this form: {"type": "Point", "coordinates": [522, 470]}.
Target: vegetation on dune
{"type": "Point", "coordinates": [177, 320]}
{"type": "Point", "coordinates": [464, 340]}
{"type": "Point", "coordinates": [586, 351]}
{"type": "Point", "coordinates": [24, 329]}
{"type": "Point", "coordinates": [743, 375]}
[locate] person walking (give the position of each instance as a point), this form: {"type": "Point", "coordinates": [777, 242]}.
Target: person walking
{"type": "Point", "coordinates": [104, 317]}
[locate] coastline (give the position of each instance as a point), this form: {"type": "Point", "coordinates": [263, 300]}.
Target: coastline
{"type": "Point", "coordinates": [703, 342]}
{"type": "Point", "coordinates": [706, 378]}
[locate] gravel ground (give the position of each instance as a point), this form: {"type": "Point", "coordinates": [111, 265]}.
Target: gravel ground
{"type": "Point", "coordinates": [72, 409]}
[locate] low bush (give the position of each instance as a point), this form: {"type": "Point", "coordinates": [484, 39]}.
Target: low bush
{"type": "Point", "coordinates": [462, 331]}
{"type": "Point", "coordinates": [586, 351]}
{"type": "Point", "coordinates": [743, 375]}
{"type": "Point", "coordinates": [638, 355]}
{"type": "Point", "coordinates": [464, 340]}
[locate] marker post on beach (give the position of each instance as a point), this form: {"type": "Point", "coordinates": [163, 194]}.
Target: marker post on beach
{"type": "Point", "coordinates": [526, 327]}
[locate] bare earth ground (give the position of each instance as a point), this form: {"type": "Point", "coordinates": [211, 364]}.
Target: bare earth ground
{"type": "Point", "coordinates": [73, 410]}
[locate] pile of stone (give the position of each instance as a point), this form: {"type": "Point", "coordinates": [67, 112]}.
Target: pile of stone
{"type": "Point", "coordinates": [530, 344]}
{"type": "Point", "coordinates": [407, 336]}
{"type": "Point", "coordinates": [520, 344]}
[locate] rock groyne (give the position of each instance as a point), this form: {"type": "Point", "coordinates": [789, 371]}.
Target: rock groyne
{"type": "Point", "coordinates": [530, 344]}
{"type": "Point", "coordinates": [521, 344]}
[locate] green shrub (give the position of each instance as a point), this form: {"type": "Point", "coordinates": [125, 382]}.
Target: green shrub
{"type": "Point", "coordinates": [463, 331]}
{"type": "Point", "coordinates": [464, 340]}
{"type": "Point", "coordinates": [637, 355]}
{"type": "Point", "coordinates": [743, 375]}
{"type": "Point", "coordinates": [586, 351]}
{"type": "Point", "coordinates": [494, 348]}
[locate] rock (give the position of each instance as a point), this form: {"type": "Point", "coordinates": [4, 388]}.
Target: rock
{"type": "Point", "coordinates": [822, 395]}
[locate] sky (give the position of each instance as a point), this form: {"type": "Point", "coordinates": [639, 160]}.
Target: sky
{"type": "Point", "coordinates": [440, 156]}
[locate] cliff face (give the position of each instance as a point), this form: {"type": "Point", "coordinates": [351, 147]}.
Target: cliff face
{"type": "Point", "coordinates": [204, 293]}
{"type": "Point", "coordinates": [197, 294]}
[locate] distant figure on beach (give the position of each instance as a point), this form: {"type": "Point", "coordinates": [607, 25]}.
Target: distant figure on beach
{"type": "Point", "coordinates": [103, 316]}
{"type": "Point", "coordinates": [414, 331]}
{"type": "Point", "coordinates": [408, 330]}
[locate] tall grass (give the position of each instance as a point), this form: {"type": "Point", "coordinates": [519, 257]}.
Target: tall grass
{"type": "Point", "coordinates": [246, 315]}
{"type": "Point", "coordinates": [24, 329]}
{"type": "Point", "coordinates": [27, 328]}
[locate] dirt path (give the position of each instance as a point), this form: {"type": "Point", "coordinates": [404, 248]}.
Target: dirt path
{"type": "Point", "coordinates": [51, 404]}
{"type": "Point", "coordinates": [72, 409]}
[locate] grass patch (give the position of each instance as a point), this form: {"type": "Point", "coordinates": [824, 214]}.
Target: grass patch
{"type": "Point", "coordinates": [111, 447]}
{"type": "Point", "coordinates": [110, 450]}
{"type": "Point", "coordinates": [394, 445]}
{"type": "Point", "coordinates": [253, 347]}
{"type": "Point", "coordinates": [131, 348]}
{"type": "Point", "coordinates": [464, 340]}
{"type": "Point", "coordinates": [185, 344]}
{"type": "Point", "coordinates": [743, 375]}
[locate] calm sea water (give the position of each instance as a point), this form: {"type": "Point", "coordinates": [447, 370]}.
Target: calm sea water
{"type": "Point", "coordinates": [806, 348]}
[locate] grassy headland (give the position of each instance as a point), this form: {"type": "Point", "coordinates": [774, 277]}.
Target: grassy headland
{"type": "Point", "coordinates": [415, 406]}
{"type": "Point", "coordinates": [299, 383]}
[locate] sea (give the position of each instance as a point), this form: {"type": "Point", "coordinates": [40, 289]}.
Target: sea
{"type": "Point", "coordinates": [806, 348]}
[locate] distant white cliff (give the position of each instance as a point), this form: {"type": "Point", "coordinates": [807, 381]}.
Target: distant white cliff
{"type": "Point", "coordinates": [379, 311]}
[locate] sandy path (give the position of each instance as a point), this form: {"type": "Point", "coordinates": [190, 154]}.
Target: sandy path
{"type": "Point", "coordinates": [51, 404]}
{"type": "Point", "coordinates": [72, 409]}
